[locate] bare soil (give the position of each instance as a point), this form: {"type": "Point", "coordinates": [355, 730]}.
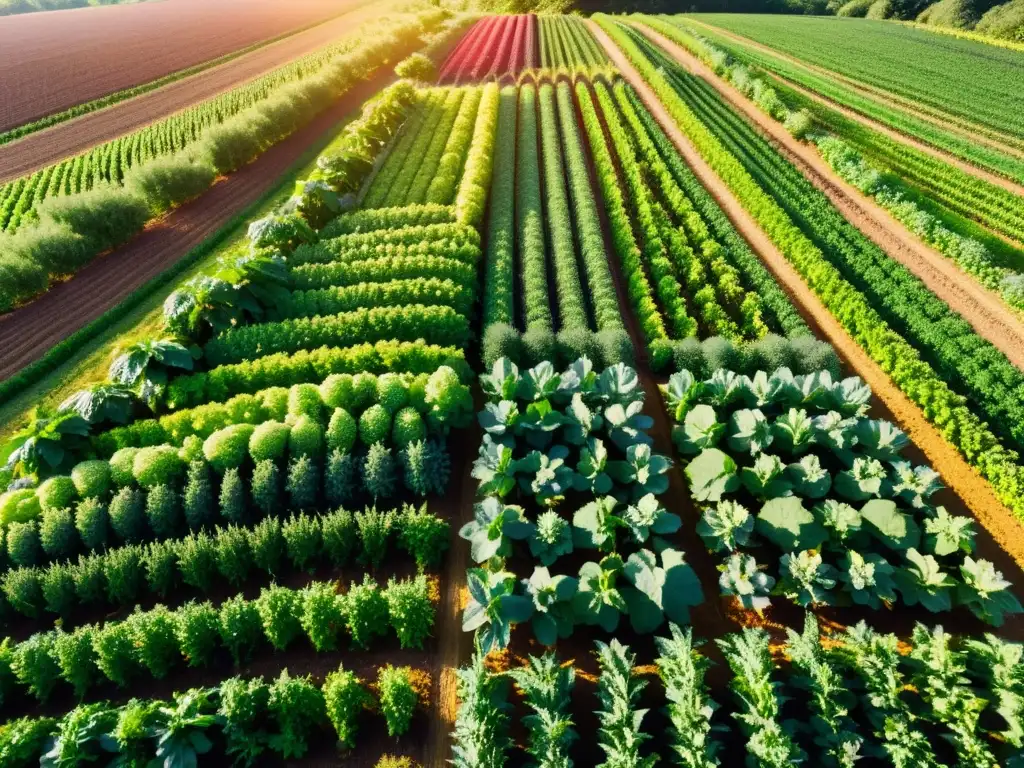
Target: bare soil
{"type": "Point", "coordinates": [71, 137]}
{"type": "Point", "coordinates": [1001, 540]}
{"type": "Point", "coordinates": [990, 317]}
{"type": "Point", "coordinates": [52, 61]}
{"type": "Point", "coordinates": [981, 134]}
{"type": "Point", "coordinates": [28, 332]}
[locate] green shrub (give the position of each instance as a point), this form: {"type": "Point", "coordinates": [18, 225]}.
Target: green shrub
{"type": "Point", "coordinates": [614, 346]}
{"type": "Point", "coordinates": [92, 523]}
{"type": "Point", "coordinates": [159, 465]}
{"type": "Point", "coordinates": [269, 441]}
{"type": "Point", "coordinates": [162, 511]}
{"type": "Point", "coordinates": [58, 584]}
{"type": "Point", "coordinates": [574, 343]}
{"type": "Point", "coordinates": [128, 515]}
{"type": "Point", "coordinates": [408, 427]}
{"type": "Point", "coordinates": [266, 487]}
{"type": "Point", "coordinates": [34, 664]}
{"type": "Point", "coordinates": [267, 545]}
{"type": "Point", "coordinates": [57, 534]}
{"type": "Point", "coordinates": [305, 400]}
{"type": "Point", "coordinates": [392, 761]}
{"type": "Point", "coordinates": [197, 501]}
{"type": "Point", "coordinates": [501, 340]}
{"type": "Point", "coordinates": [366, 612]}
{"type": "Point", "coordinates": [116, 655]}
{"type": "Point", "coordinates": [322, 615]}
{"type": "Point", "coordinates": [398, 698]}
{"type": "Point", "coordinates": [21, 506]}
{"type": "Point", "coordinates": [23, 589]}
{"type": "Point", "coordinates": [338, 391]}
{"type": "Point", "coordinates": [379, 471]}
{"type": "Point", "coordinates": [771, 353]}
{"type": "Point", "coordinates": [341, 477]}
{"type": "Point", "coordinates": [340, 534]}
{"type": "Point", "coordinates": [374, 425]}
{"type": "Point", "coordinates": [538, 345]}
{"type": "Point", "coordinates": [197, 561]}
{"type": "Point", "coordinates": [346, 698]}
{"type": "Point", "coordinates": [297, 707]}
{"type": "Point", "coordinates": [341, 431]}
{"type": "Point", "coordinates": [426, 467]}
{"type": "Point", "coordinates": [197, 629]}
{"type": "Point", "coordinates": [243, 705]}
{"type": "Point", "coordinates": [410, 611]}
{"type": "Point", "coordinates": [228, 448]}
{"type": "Point", "coordinates": [721, 353]}
{"type": "Point", "coordinates": [375, 532]}
{"type": "Point", "coordinates": [161, 563]}
{"type": "Point", "coordinates": [280, 610]}
{"type": "Point", "coordinates": [234, 556]}
{"type": "Point", "coordinates": [240, 628]}
{"type": "Point", "coordinates": [191, 449]}
{"type": "Point", "coordinates": [424, 536]}
{"type": "Point", "coordinates": [153, 633]}
{"type": "Point", "coordinates": [232, 144]}
{"type": "Point", "coordinates": [57, 493]}
{"type": "Point", "coordinates": [121, 464]}
{"type": "Point", "coordinates": [417, 66]}
{"type": "Point", "coordinates": [364, 392]}
{"type": "Point", "coordinates": [167, 181]}
{"type": "Point", "coordinates": [232, 496]}
{"type": "Point", "coordinates": [303, 483]}
{"type": "Point", "coordinates": [392, 393]}
{"type": "Point", "coordinates": [55, 247]}
{"type": "Point", "coordinates": [90, 579]}
{"type": "Point", "coordinates": [105, 216]}
{"type": "Point", "coordinates": [306, 439]}
{"type": "Point", "coordinates": [76, 658]}
{"type": "Point", "coordinates": [23, 547]}
{"type": "Point", "coordinates": [302, 538]}
{"type": "Point", "coordinates": [123, 574]}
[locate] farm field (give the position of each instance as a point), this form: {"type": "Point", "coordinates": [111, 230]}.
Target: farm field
{"type": "Point", "coordinates": [127, 45]}
{"type": "Point", "coordinates": [596, 397]}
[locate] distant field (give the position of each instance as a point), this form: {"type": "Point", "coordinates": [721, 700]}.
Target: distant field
{"type": "Point", "coordinates": [965, 78]}
{"type": "Point", "coordinates": [53, 61]}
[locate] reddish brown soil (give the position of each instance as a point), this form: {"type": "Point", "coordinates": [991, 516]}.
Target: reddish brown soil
{"type": "Point", "coordinates": [52, 61]}
{"type": "Point", "coordinates": [992, 139]}
{"type": "Point", "coordinates": [990, 317]}
{"type": "Point", "coordinates": [42, 148]}
{"type": "Point", "coordinates": [27, 333]}
{"type": "Point", "coordinates": [1001, 540]}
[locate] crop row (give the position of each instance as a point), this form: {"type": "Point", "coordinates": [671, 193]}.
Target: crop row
{"type": "Point", "coordinates": [565, 41]}
{"type": "Point", "coordinates": [842, 268]}
{"type": "Point", "coordinates": [844, 698]}
{"type": "Point", "coordinates": [494, 47]}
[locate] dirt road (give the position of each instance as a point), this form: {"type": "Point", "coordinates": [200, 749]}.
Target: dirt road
{"type": "Point", "coordinates": [958, 476]}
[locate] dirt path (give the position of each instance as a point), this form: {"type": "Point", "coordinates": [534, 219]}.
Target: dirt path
{"type": "Point", "coordinates": [985, 310]}
{"type": "Point", "coordinates": [71, 137]}
{"type": "Point", "coordinates": [27, 333]}
{"type": "Point", "coordinates": [971, 131]}
{"type": "Point", "coordinates": [960, 478]}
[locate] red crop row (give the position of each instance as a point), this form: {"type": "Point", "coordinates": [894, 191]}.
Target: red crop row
{"type": "Point", "coordinates": [493, 48]}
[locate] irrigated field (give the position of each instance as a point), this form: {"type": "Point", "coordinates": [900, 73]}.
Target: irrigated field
{"type": "Point", "coordinates": [598, 400]}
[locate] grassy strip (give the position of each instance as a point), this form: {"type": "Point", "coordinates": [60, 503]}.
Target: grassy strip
{"type": "Point", "coordinates": [130, 93]}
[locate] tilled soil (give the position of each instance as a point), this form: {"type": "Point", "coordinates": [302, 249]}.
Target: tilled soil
{"type": "Point", "coordinates": [986, 312]}
{"type": "Point", "coordinates": [52, 61]}
{"type": "Point", "coordinates": [28, 332]}
{"type": "Point", "coordinates": [966, 489]}
{"type": "Point", "coordinates": [71, 137]}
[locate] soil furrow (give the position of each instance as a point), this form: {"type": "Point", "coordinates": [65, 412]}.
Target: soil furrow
{"type": "Point", "coordinates": [986, 312]}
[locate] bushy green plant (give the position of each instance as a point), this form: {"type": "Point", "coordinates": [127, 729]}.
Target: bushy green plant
{"type": "Point", "coordinates": [346, 697]}
{"type": "Point", "coordinates": [392, 393]}
{"type": "Point", "coordinates": [234, 556]}
{"type": "Point", "coordinates": [375, 532]}
{"type": "Point", "coordinates": [266, 486]}
{"type": "Point", "coordinates": [105, 216]}
{"type": "Point", "coordinates": [127, 515]}
{"type": "Point", "coordinates": [197, 561]}
{"type": "Point", "coordinates": [57, 493]}
{"type": "Point", "coordinates": [410, 610]}
{"type": "Point", "coordinates": [323, 613]}
{"type": "Point", "coordinates": [398, 698]}
{"type": "Point", "coordinates": [366, 612]}
{"type": "Point", "coordinates": [303, 540]}
{"type": "Point", "coordinates": [342, 431]}
{"type": "Point", "coordinates": [408, 427]}
{"type": "Point", "coordinates": [92, 479]}
{"type": "Point", "coordinates": [426, 467]}
{"type": "Point", "coordinates": [240, 628]}
{"type": "Point", "coordinates": [161, 563]}
{"type": "Point", "coordinates": [90, 580]}
{"type": "Point", "coordinates": [423, 535]}
{"type": "Point", "coordinates": [297, 707]}
{"type": "Point", "coordinates": [163, 511]}
{"type": "Point", "coordinates": [23, 589]}
{"type": "Point", "coordinates": [229, 447]}
{"type": "Point", "coordinates": [58, 584]}
{"type": "Point", "coordinates": [197, 630]}
{"type": "Point", "coordinates": [121, 466]}
{"type": "Point", "coordinates": [374, 425]}
{"type": "Point", "coordinates": [341, 477]}
{"type": "Point", "coordinates": [123, 574]}
{"type": "Point", "coordinates": [269, 441]}
{"type": "Point", "coordinates": [76, 657]}
{"type": "Point", "coordinates": [232, 496]}
{"type": "Point", "coordinates": [116, 656]}
{"type": "Point", "coordinates": [268, 545]}
{"type": "Point", "coordinates": [92, 523]}
{"type": "Point", "coordinates": [303, 483]}
{"type": "Point", "coordinates": [159, 465]}
{"type": "Point", "coordinates": [306, 439]}
{"type": "Point", "coordinates": [197, 501]}
{"type": "Point", "coordinates": [23, 547]}
{"type": "Point", "coordinates": [243, 705]}
{"type": "Point", "coordinates": [280, 610]}
{"type": "Point", "coordinates": [34, 664]}
{"type": "Point", "coordinates": [156, 643]}
{"type": "Point", "coordinates": [340, 536]}
{"type": "Point", "coordinates": [379, 471]}
{"type": "Point", "coordinates": [305, 400]}
{"type": "Point", "coordinates": [417, 66]}
{"type": "Point", "coordinates": [167, 181]}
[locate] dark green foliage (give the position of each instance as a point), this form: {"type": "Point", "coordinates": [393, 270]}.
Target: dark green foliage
{"type": "Point", "coordinates": [423, 535]}
{"type": "Point", "coordinates": [303, 483]}
{"type": "Point", "coordinates": [197, 629]}
{"type": "Point", "coordinates": [297, 707]}
{"type": "Point", "coordinates": [398, 699]}
{"type": "Point", "coordinates": [303, 540]}
{"type": "Point", "coordinates": [153, 632]}
{"type": "Point", "coordinates": [90, 580]}
{"type": "Point", "coordinates": [266, 486]}
{"type": "Point", "coordinates": [162, 511]}
{"type": "Point", "coordinates": [124, 574]}
{"type": "Point", "coordinates": [340, 536]}
{"type": "Point", "coordinates": [240, 628]}
{"type": "Point", "coordinates": [379, 471]}
{"type": "Point", "coordinates": [614, 346]}
{"type": "Point", "coordinates": [375, 532]}
{"type": "Point", "coordinates": [105, 216]}
{"type": "Point", "coordinates": [721, 353]}
{"type": "Point", "coordinates": [243, 705]}
{"type": "Point", "coordinates": [574, 343]}
{"type": "Point", "coordinates": [58, 584]}
{"type": "Point", "coordinates": [167, 181]}
{"type": "Point", "coordinates": [346, 698]}
{"type": "Point", "coordinates": [23, 546]}
{"type": "Point", "coordinates": [770, 353]}
{"type": "Point", "coordinates": [92, 523]}
{"type": "Point", "coordinates": [410, 611]}
{"type": "Point", "coordinates": [813, 355]}
{"type": "Point", "coordinates": [280, 610]}
{"type": "Point", "coordinates": [268, 545]}
{"type": "Point", "coordinates": [57, 534]}
{"type": "Point", "coordinates": [198, 497]}
{"type": "Point", "coordinates": [161, 563]}
{"type": "Point", "coordinates": [197, 561]}
{"type": "Point", "coordinates": [366, 612]}
{"type": "Point", "coordinates": [128, 515]}
{"type": "Point", "coordinates": [24, 590]}
{"type": "Point", "coordinates": [426, 467]}
{"type": "Point", "coordinates": [501, 340]}
{"type": "Point", "coordinates": [116, 656]}
{"type": "Point", "coordinates": [77, 658]}
{"type": "Point", "coordinates": [341, 478]}
{"type": "Point", "coordinates": [538, 344]}
{"type": "Point", "coordinates": [232, 496]}
{"type": "Point", "coordinates": [34, 664]}
{"type": "Point", "coordinates": [322, 615]}
{"type": "Point", "coordinates": [234, 556]}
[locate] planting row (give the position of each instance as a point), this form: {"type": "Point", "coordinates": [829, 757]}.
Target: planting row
{"type": "Point", "coordinates": [844, 698]}
{"type": "Point", "coordinates": [565, 41]}
{"type": "Point", "coordinates": [494, 47]}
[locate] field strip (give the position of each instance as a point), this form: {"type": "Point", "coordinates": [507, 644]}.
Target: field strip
{"type": "Point", "coordinates": [27, 332]}
{"type": "Point", "coordinates": [984, 310]}
{"type": "Point", "coordinates": [946, 122]}
{"type": "Point", "coordinates": [71, 137]}
{"type": "Point", "coordinates": [975, 492]}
